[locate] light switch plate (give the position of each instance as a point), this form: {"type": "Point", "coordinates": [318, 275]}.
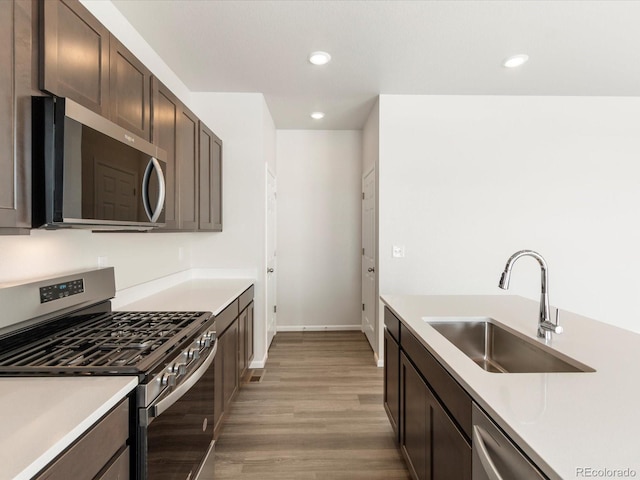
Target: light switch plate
{"type": "Point", "coordinates": [398, 251]}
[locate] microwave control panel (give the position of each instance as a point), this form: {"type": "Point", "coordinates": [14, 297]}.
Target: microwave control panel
{"type": "Point", "coordinates": [61, 290]}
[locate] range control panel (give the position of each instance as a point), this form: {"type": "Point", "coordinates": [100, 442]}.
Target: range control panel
{"type": "Point", "coordinates": [61, 290]}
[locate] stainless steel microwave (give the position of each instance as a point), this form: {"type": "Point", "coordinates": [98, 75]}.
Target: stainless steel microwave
{"type": "Point", "coordinates": [89, 172]}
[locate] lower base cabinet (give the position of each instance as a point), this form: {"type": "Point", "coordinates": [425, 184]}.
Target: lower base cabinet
{"type": "Point", "coordinates": [432, 440]}
{"type": "Point", "coordinates": [234, 331]}
{"type": "Point", "coordinates": [101, 453]}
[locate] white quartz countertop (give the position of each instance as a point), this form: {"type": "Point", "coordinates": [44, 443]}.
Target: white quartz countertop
{"type": "Point", "coordinates": [40, 417]}
{"type": "Point", "coordinates": [572, 425]}
{"type": "Point", "coordinates": [211, 295]}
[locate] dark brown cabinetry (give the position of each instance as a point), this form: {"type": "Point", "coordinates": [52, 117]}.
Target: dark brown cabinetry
{"type": "Point", "coordinates": [225, 365]}
{"type": "Point", "coordinates": [165, 111]}
{"type": "Point", "coordinates": [392, 380]}
{"type": "Point", "coordinates": [434, 416]}
{"type": "Point", "coordinates": [187, 162]}
{"type": "Point", "coordinates": [101, 453]}
{"type": "Point", "coordinates": [81, 60]}
{"type": "Point", "coordinates": [16, 85]}
{"type": "Point", "coordinates": [74, 59]}
{"type": "Point", "coordinates": [245, 337]}
{"type": "Point", "coordinates": [129, 90]}
{"type": "Point", "coordinates": [210, 175]}
{"type": "Point", "coordinates": [234, 330]}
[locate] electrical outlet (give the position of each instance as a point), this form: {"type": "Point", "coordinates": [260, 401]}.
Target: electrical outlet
{"type": "Point", "coordinates": [398, 251]}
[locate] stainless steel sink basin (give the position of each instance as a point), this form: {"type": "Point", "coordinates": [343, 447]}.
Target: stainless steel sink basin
{"type": "Point", "coordinates": [498, 350]}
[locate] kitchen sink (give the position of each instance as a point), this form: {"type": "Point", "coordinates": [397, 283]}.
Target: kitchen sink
{"type": "Point", "coordinates": [498, 350]}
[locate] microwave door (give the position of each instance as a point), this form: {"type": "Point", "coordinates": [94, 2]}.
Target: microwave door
{"type": "Point", "coordinates": [149, 188]}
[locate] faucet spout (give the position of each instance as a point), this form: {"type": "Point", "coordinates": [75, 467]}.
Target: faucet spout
{"type": "Point", "coordinates": [545, 327]}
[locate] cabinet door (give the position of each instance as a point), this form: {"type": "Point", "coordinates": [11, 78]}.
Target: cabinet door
{"type": "Point", "coordinates": [187, 162]}
{"type": "Point", "coordinates": [249, 335]}
{"type": "Point", "coordinates": [451, 454]}
{"type": "Point", "coordinates": [218, 386]}
{"type": "Point", "coordinates": [165, 111]}
{"type": "Point", "coordinates": [242, 343]}
{"type": "Point", "coordinates": [210, 215]}
{"type": "Point", "coordinates": [75, 54]}
{"type": "Point", "coordinates": [430, 442]}
{"type": "Point", "coordinates": [415, 426]}
{"type": "Point", "coordinates": [230, 374]}
{"type": "Point", "coordinates": [392, 380]}
{"type": "Point", "coordinates": [15, 116]}
{"type": "Point", "coordinates": [129, 90]}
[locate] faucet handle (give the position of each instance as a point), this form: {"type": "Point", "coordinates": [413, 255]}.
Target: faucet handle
{"type": "Point", "coordinates": [558, 328]}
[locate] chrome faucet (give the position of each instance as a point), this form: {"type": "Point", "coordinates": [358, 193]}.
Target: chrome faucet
{"type": "Point", "coordinates": [545, 326]}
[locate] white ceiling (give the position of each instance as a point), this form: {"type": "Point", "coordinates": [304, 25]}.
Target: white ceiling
{"type": "Point", "coordinates": [393, 47]}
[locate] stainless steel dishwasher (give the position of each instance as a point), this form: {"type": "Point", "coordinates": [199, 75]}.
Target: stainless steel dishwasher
{"type": "Point", "coordinates": [495, 457]}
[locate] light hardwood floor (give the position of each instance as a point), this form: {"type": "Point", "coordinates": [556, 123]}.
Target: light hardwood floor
{"type": "Point", "coordinates": [316, 414]}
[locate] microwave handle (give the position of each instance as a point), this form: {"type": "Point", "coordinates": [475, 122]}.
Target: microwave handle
{"type": "Point", "coordinates": [155, 213]}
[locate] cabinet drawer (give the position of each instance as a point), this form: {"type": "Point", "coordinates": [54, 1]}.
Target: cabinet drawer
{"type": "Point", "coordinates": [392, 323]}
{"type": "Point", "coordinates": [447, 389]}
{"type": "Point", "coordinates": [119, 469]}
{"type": "Point", "coordinates": [246, 298]}
{"type": "Point", "coordinates": [92, 452]}
{"type": "Point", "coordinates": [226, 317]}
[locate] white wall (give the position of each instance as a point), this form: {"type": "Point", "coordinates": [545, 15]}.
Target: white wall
{"type": "Point", "coordinates": [319, 177]}
{"type": "Point", "coordinates": [467, 180]}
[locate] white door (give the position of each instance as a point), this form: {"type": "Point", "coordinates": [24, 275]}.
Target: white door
{"type": "Point", "coordinates": [271, 257]}
{"type": "Point", "coordinates": [369, 302]}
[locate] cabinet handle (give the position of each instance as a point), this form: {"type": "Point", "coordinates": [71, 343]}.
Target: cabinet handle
{"type": "Point", "coordinates": [371, 269]}
{"type": "Point", "coordinates": [270, 270]}
{"type": "Point", "coordinates": [483, 455]}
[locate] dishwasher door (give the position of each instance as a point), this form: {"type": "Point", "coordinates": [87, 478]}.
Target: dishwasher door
{"type": "Point", "coordinates": [495, 457]}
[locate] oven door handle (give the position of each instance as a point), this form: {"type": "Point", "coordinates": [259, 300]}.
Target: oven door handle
{"type": "Point", "coordinates": [159, 408]}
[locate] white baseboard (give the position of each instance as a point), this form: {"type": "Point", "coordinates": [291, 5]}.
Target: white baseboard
{"type": "Point", "coordinates": [318, 328]}
{"type": "Point", "coordinates": [258, 363]}
{"type": "Point", "coordinates": [379, 361]}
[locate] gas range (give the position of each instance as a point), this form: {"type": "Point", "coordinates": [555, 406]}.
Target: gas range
{"type": "Point", "coordinates": [65, 326]}
{"type": "Point", "coordinates": [112, 342]}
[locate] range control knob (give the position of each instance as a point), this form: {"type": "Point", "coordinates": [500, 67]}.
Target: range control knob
{"type": "Point", "coordinates": [168, 379]}
{"type": "Point", "coordinates": [178, 368]}
{"type": "Point", "coordinates": [204, 341]}
{"type": "Point", "coordinates": [193, 354]}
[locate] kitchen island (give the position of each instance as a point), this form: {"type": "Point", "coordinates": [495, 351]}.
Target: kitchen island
{"type": "Point", "coordinates": [571, 425]}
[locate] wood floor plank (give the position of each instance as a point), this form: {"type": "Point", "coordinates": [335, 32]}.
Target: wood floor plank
{"type": "Point", "coordinates": [315, 414]}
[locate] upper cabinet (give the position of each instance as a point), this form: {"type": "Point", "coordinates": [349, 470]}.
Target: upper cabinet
{"type": "Point", "coordinates": [188, 169]}
{"type": "Point", "coordinates": [81, 60]}
{"type": "Point", "coordinates": [17, 84]}
{"type": "Point", "coordinates": [129, 90]}
{"type": "Point", "coordinates": [210, 215]}
{"type": "Point", "coordinates": [74, 57]}
{"type": "Point", "coordinates": [194, 164]}
{"type": "Point", "coordinates": [165, 111]}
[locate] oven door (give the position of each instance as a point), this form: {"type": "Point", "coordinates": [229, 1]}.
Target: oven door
{"type": "Point", "coordinates": [179, 434]}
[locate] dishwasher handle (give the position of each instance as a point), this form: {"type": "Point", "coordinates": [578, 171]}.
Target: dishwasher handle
{"type": "Point", "coordinates": [480, 450]}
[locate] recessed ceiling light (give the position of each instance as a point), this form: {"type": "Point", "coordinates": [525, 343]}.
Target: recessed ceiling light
{"type": "Point", "coordinates": [515, 60]}
{"type": "Point", "coordinates": [319, 58]}
{"type": "Point", "coordinates": [317, 115]}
